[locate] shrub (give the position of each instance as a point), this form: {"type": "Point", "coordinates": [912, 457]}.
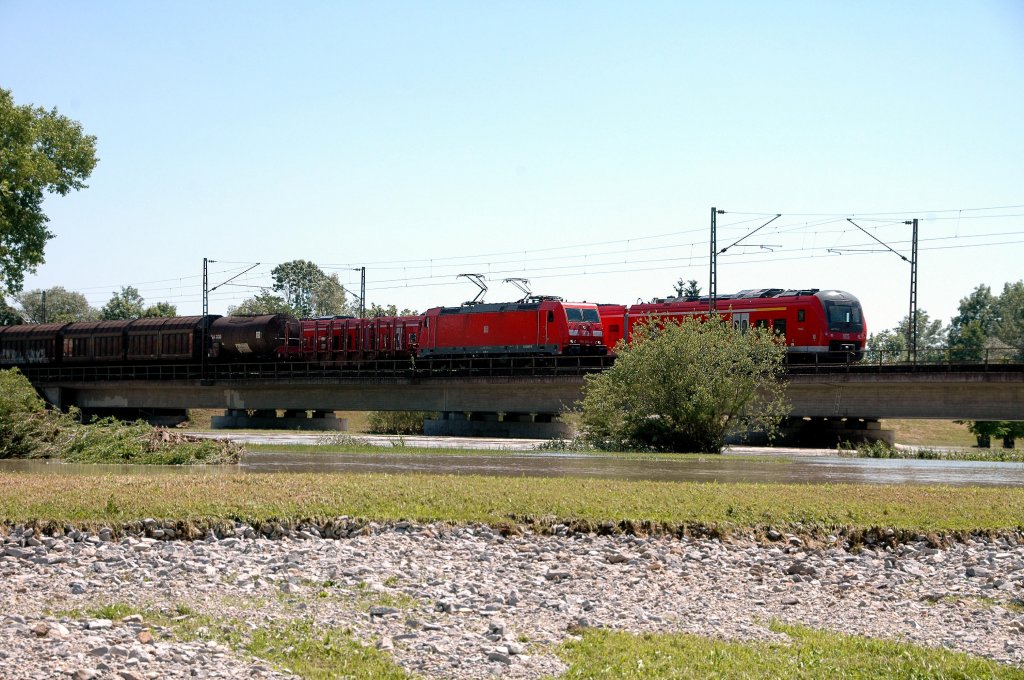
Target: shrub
{"type": "Point", "coordinates": [396, 422]}
{"type": "Point", "coordinates": [685, 387]}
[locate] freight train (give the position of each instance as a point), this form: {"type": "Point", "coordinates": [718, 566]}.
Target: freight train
{"type": "Point", "coordinates": [826, 325]}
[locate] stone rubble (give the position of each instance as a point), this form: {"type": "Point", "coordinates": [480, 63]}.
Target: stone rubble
{"type": "Point", "coordinates": [469, 602]}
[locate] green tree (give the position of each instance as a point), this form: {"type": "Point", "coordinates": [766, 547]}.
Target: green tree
{"type": "Point", "coordinates": [685, 387]}
{"type": "Point", "coordinates": [62, 306]}
{"type": "Point", "coordinates": [327, 298]}
{"type": "Point", "coordinates": [375, 310]}
{"type": "Point", "coordinates": [687, 289]}
{"type": "Point", "coordinates": [264, 303]}
{"type": "Point", "coordinates": [127, 304]}
{"type": "Point", "coordinates": [40, 152]}
{"type": "Point", "coordinates": [9, 316]}
{"type": "Point", "coordinates": [160, 309]}
{"type": "Point", "coordinates": [971, 328]}
{"type": "Point", "coordinates": [1009, 328]}
{"type": "Point", "coordinates": [886, 347]}
{"type": "Point", "coordinates": [298, 280]}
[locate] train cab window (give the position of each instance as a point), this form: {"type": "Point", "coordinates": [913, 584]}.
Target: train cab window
{"type": "Point", "coordinates": [780, 327]}
{"type": "Point", "coordinates": [801, 315]}
{"type": "Point", "coordinates": [551, 317]}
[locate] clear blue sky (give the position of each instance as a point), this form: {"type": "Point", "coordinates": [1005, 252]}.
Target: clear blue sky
{"type": "Point", "coordinates": [577, 144]}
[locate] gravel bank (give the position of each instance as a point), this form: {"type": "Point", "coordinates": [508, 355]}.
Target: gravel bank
{"type": "Point", "coordinates": [467, 602]}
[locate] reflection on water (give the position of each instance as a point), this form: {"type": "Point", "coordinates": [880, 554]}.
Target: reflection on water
{"type": "Point", "coordinates": [794, 469]}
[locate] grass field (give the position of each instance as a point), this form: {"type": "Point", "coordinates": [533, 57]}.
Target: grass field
{"type": "Point", "coordinates": [603, 654]}
{"type": "Point", "coordinates": [931, 433]}
{"type": "Point", "coordinates": [674, 506]}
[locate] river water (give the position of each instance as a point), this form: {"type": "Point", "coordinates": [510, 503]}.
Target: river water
{"type": "Point", "coordinates": [745, 466]}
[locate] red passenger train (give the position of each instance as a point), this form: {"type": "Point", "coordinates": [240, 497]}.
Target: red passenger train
{"type": "Point", "coordinates": [825, 325]}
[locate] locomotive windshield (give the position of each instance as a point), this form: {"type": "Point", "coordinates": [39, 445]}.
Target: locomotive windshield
{"type": "Point", "coordinates": [844, 316]}
{"type": "Point", "coordinates": [578, 314]}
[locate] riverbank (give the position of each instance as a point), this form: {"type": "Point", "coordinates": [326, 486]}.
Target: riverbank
{"type": "Point", "coordinates": [196, 496]}
{"type": "Point", "coordinates": [440, 601]}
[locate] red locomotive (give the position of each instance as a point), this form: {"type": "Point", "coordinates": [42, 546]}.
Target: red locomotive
{"type": "Point", "coordinates": [541, 326]}
{"type": "Point", "coordinates": [825, 325]}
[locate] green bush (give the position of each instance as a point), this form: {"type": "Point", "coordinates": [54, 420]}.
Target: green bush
{"type": "Point", "coordinates": [685, 386]}
{"type": "Point", "coordinates": [396, 422]}
{"type": "Point", "coordinates": [28, 429]}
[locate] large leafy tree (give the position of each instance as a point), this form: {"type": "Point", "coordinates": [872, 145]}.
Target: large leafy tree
{"type": "Point", "coordinates": [127, 304]}
{"type": "Point", "coordinates": [297, 280]}
{"type": "Point", "coordinates": [1009, 328]}
{"type": "Point", "coordinates": [308, 291]}
{"type": "Point", "coordinates": [970, 329]}
{"type": "Point", "coordinates": [62, 306]}
{"type": "Point", "coordinates": [328, 298]}
{"type": "Point", "coordinates": [685, 387]}
{"type": "Point", "coordinates": [40, 152]}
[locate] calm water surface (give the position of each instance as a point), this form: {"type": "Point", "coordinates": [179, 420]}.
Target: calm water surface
{"type": "Point", "coordinates": [770, 468]}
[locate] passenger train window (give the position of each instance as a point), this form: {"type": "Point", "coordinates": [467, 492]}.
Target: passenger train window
{"type": "Point", "coordinates": [780, 327]}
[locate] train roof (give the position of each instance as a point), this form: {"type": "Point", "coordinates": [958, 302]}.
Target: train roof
{"type": "Point", "coordinates": [533, 304]}
{"type": "Point", "coordinates": [752, 293]}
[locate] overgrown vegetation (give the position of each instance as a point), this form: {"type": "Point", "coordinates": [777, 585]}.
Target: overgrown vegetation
{"type": "Point", "coordinates": [30, 430]}
{"type": "Point", "coordinates": [396, 422]}
{"type": "Point", "coordinates": [880, 449]}
{"type": "Point", "coordinates": [809, 653]}
{"type": "Point", "coordinates": [686, 386]}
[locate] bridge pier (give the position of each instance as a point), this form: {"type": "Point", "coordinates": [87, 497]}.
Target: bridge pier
{"type": "Point", "coordinates": [497, 424]}
{"type": "Point", "coordinates": [267, 419]}
{"type": "Point", "coordinates": [830, 432]}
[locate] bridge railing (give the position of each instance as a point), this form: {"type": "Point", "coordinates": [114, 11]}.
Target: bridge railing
{"type": "Point", "coordinates": [383, 369]}
{"type": "Point", "coordinates": [896, 360]}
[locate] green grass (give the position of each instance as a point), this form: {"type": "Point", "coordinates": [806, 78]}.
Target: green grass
{"type": "Point", "coordinates": [809, 654]}
{"type": "Point", "coordinates": [920, 432]}
{"type": "Point", "coordinates": [302, 648]}
{"type": "Point", "coordinates": [104, 498]}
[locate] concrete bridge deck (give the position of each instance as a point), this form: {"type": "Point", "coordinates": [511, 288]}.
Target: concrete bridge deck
{"type": "Point", "coordinates": [981, 393]}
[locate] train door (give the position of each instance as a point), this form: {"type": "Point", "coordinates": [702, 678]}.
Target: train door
{"type": "Point", "coordinates": [741, 321]}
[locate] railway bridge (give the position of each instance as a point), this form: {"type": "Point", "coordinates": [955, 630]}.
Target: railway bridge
{"type": "Point", "coordinates": [489, 397]}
